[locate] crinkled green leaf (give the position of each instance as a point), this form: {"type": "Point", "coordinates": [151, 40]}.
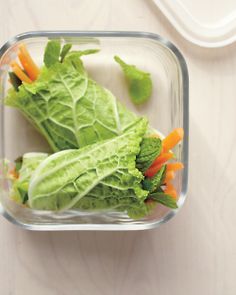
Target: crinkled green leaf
{"type": "Point", "coordinates": [105, 197]}
{"type": "Point", "coordinates": [141, 210]}
{"type": "Point", "coordinates": [52, 53]}
{"type": "Point", "coordinates": [164, 199]}
{"type": "Point", "coordinates": [65, 49]}
{"type": "Point", "coordinates": [30, 162]}
{"type": "Point", "coordinates": [70, 109]}
{"type": "Point", "coordinates": [140, 83]}
{"type": "Point", "coordinates": [64, 178]}
{"type": "Point", "coordinates": [149, 150]}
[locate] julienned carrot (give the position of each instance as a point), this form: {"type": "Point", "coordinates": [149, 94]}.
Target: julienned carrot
{"type": "Point", "coordinates": [153, 170]}
{"type": "Point", "coordinates": [170, 190]}
{"type": "Point", "coordinates": [174, 166]}
{"type": "Point", "coordinates": [26, 66]}
{"type": "Point", "coordinates": [164, 157]}
{"type": "Point", "coordinates": [172, 139]}
{"type": "Point", "coordinates": [169, 186]}
{"type": "Point", "coordinates": [172, 193]}
{"type": "Point", "coordinates": [169, 176]}
{"type": "Point", "coordinates": [19, 73]}
{"type": "Point", "coordinates": [28, 63]}
{"type": "Point", "coordinates": [156, 165]}
{"type": "Point", "coordinates": [13, 174]}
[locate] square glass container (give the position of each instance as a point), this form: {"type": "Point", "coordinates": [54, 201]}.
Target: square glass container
{"type": "Point", "coordinates": [167, 109]}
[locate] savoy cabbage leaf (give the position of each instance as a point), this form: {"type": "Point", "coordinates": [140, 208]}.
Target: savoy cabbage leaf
{"type": "Point", "coordinates": [68, 108]}
{"type": "Point", "coordinates": [30, 162]}
{"type": "Point", "coordinates": [66, 177]}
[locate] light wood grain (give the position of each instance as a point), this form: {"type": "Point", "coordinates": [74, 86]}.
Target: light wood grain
{"type": "Point", "coordinates": [193, 254]}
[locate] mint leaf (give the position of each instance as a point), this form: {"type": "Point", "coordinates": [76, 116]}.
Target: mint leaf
{"type": "Point", "coordinates": [65, 49]}
{"type": "Point", "coordinates": [15, 81]}
{"type": "Point", "coordinates": [52, 53]}
{"type": "Point", "coordinates": [164, 199]}
{"type": "Point", "coordinates": [140, 83]}
{"type": "Point", "coordinates": [150, 148]}
{"type": "Point", "coordinates": [153, 183]}
{"type": "Point", "coordinates": [18, 163]}
{"type": "Point", "coordinates": [80, 53]}
{"type": "Point", "coordinates": [159, 190]}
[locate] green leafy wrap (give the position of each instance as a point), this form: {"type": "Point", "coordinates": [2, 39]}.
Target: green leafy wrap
{"type": "Point", "coordinates": [101, 148]}
{"type": "Point", "coordinates": [68, 108]}
{"type": "Point", "coordinates": [107, 167]}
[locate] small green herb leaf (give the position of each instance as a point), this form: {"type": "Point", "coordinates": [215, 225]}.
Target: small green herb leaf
{"type": "Point", "coordinates": [140, 83]}
{"type": "Point", "coordinates": [150, 148]}
{"type": "Point", "coordinates": [15, 81]}
{"type": "Point", "coordinates": [65, 49]}
{"type": "Point", "coordinates": [52, 53]}
{"type": "Point", "coordinates": [18, 163]}
{"type": "Point", "coordinates": [79, 53]}
{"type": "Point", "coordinates": [152, 184]}
{"type": "Point", "coordinates": [164, 199]}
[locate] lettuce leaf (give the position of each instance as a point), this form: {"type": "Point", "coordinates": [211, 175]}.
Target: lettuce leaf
{"type": "Point", "coordinates": [141, 210]}
{"type": "Point", "coordinates": [68, 108]}
{"type": "Point", "coordinates": [104, 173]}
{"type": "Point", "coordinates": [30, 162]}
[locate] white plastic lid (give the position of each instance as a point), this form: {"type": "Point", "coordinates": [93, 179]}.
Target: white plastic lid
{"type": "Point", "coordinates": [207, 23]}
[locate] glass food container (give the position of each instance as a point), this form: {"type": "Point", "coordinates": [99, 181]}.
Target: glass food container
{"type": "Point", "coordinates": [167, 109]}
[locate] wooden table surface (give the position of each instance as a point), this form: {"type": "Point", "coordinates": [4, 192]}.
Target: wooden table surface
{"type": "Point", "coordinates": [195, 253]}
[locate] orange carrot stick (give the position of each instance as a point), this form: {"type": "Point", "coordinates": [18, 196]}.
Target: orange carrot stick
{"type": "Point", "coordinates": [172, 139]}
{"type": "Point", "coordinates": [28, 63]}
{"type": "Point", "coordinates": [172, 193]}
{"type": "Point", "coordinates": [169, 186]}
{"type": "Point", "coordinates": [26, 66]}
{"type": "Point", "coordinates": [152, 170]}
{"type": "Point", "coordinates": [19, 73]}
{"type": "Point", "coordinates": [157, 164]}
{"type": "Point", "coordinates": [164, 157]}
{"type": "Point", "coordinates": [170, 190]}
{"type": "Point", "coordinates": [169, 176]}
{"type": "Point", "coordinates": [174, 166]}
{"type": "Point", "coordinates": [13, 174]}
